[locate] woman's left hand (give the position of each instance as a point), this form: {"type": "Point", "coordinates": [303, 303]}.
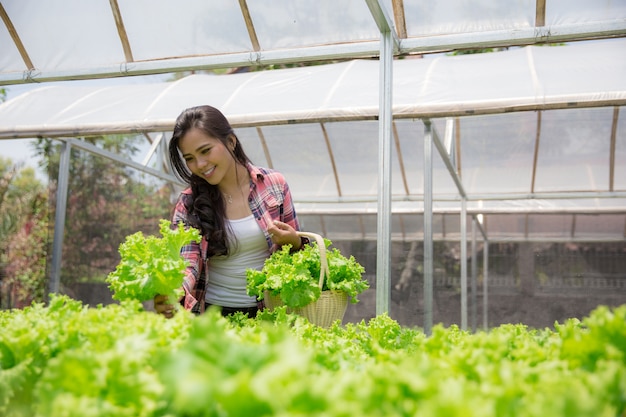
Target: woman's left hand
{"type": "Point", "coordinates": [283, 234]}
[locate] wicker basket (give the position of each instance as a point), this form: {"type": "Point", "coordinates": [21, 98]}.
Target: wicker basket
{"type": "Point", "coordinates": [331, 305]}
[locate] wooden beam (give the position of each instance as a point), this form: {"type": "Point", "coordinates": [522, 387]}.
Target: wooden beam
{"type": "Point", "coordinates": [540, 13]}
{"type": "Point", "coordinates": [16, 38]}
{"type": "Point", "coordinates": [536, 153]}
{"type": "Point", "coordinates": [266, 150]}
{"type": "Point", "coordinates": [612, 151]}
{"type": "Point", "coordinates": [121, 30]}
{"type": "Point", "coordinates": [249, 25]}
{"type": "Point", "coordinates": [396, 139]}
{"type": "Point", "coordinates": [398, 16]}
{"type": "Point", "coordinates": [331, 156]}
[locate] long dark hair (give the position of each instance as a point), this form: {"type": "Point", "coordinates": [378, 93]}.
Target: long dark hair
{"type": "Point", "coordinates": [205, 207]}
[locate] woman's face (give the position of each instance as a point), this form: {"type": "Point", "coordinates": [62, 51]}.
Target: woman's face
{"type": "Point", "coordinates": [206, 157]}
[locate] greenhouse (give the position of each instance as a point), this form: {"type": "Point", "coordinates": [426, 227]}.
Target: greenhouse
{"type": "Point", "coordinates": [412, 157]}
{"type": "Point", "coordinates": [470, 156]}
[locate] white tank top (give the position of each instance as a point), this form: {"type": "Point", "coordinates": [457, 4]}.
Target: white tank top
{"type": "Point", "coordinates": [226, 283]}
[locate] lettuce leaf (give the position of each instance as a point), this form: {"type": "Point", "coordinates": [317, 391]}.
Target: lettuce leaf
{"type": "Point", "coordinates": [150, 265]}
{"type": "Point", "coordinates": [295, 276]}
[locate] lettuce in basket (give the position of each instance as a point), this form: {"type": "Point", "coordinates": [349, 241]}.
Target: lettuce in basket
{"type": "Point", "coordinates": [151, 265]}
{"type": "Point", "coordinates": [295, 276]}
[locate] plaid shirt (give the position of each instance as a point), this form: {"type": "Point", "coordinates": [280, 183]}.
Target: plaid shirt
{"type": "Point", "coordinates": [269, 200]}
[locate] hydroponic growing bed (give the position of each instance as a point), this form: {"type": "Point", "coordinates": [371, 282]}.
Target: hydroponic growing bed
{"type": "Point", "coordinates": [69, 359]}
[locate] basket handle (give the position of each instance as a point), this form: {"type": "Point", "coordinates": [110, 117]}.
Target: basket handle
{"type": "Point", "coordinates": [322, 248]}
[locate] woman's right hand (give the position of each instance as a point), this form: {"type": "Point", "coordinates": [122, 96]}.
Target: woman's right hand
{"type": "Point", "coordinates": [162, 306]}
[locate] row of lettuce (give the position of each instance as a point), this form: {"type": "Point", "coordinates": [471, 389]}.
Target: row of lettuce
{"type": "Point", "coordinates": [69, 359]}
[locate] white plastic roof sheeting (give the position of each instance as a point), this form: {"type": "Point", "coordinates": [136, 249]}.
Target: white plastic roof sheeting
{"type": "Point", "coordinates": [542, 146]}
{"type": "Point", "coordinates": [73, 39]}
{"type": "Point", "coordinates": [530, 78]}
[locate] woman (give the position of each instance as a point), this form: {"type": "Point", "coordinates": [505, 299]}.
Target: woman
{"type": "Point", "coordinates": [243, 212]}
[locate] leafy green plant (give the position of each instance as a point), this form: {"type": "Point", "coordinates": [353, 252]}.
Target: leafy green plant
{"type": "Point", "coordinates": [295, 276]}
{"type": "Point", "coordinates": [69, 359]}
{"type": "Point", "coordinates": [151, 265]}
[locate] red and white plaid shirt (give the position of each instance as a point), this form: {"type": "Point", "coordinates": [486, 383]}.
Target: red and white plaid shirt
{"type": "Point", "coordinates": [269, 200]}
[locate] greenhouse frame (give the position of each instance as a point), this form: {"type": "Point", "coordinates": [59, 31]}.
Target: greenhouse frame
{"type": "Point", "coordinates": [396, 139]}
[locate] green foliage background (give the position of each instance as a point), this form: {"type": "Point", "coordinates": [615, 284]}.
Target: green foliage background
{"type": "Point", "coordinates": [106, 202]}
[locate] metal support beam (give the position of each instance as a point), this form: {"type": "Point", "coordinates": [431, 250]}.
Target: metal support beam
{"type": "Point", "coordinates": [163, 159]}
{"type": "Point", "coordinates": [452, 170]}
{"type": "Point", "coordinates": [154, 145]}
{"type": "Point", "coordinates": [59, 217]}
{"type": "Point", "coordinates": [488, 197]}
{"type": "Point", "coordinates": [446, 157]}
{"type": "Point", "coordinates": [428, 227]}
{"type": "Point", "coordinates": [514, 37]}
{"type": "Point", "coordinates": [478, 223]}
{"type": "Point", "coordinates": [383, 253]}
{"type": "Point", "coordinates": [422, 44]}
{"type": "Point", "coordinates": [474, 279]}
{"type": "Point", "coordinates": [115, 157]}
{"type": "Point", "coordinates": [463, 264]}
{"type": "Point", "coordinates": [485, 285]}
{"type": "Point", "coordinates": [383, 21]}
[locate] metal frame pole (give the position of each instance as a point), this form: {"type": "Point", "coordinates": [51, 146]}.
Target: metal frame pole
{"type": "Point", "coordinates": [485, 282]}
{"type": "Point", "coordinates": [463, 264]}
{"type": "Point", "coordinates": [474, 279]}
{"type": "Point", "coordinates": [428, 227]}
{"type": "Point", "coordinates": [59, 217]}
{"type": "Point", "coordinates": [383, 254]}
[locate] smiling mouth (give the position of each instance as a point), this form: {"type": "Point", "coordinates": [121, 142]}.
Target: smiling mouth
{"type": "Point", "coordinates": [208, 171]}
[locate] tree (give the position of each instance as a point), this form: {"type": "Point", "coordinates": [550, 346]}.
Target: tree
{"type": "Point", "coordinates": [26, 256]}
{"type": "Point", "coordinates": [106, 202]}
{"type": "Point", "coordinates": [23, 235]}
